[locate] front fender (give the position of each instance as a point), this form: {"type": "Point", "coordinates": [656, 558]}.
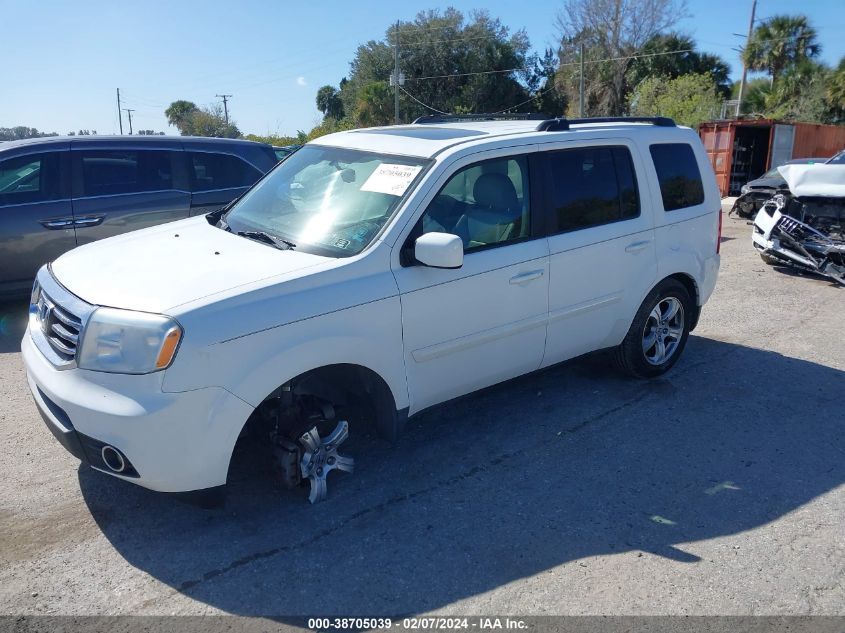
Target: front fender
{"type": "Point", "coordinates": [254, 365]}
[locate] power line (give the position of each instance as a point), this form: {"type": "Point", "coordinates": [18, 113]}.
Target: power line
{"type": "Point", "coordinates": [536, 96]}
{"type": "Point", "coordinates": [451, 40]}
{"type": "Point", "coordinates": [524, 69]}
{"type": "Point", "coordinates": [425, 105]}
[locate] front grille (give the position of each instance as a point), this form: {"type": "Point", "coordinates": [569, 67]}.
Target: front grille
{"type": "Point", "coordinates": [56, 319]}
{"type": "Point", "coordinates": [60, 327]}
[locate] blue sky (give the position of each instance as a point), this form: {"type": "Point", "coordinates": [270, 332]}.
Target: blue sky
{"type": "Point", "coordinates": [65, 59]}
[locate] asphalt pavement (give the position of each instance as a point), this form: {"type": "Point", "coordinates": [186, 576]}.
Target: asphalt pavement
{"type": "Point", "coordinates": [717, 489]}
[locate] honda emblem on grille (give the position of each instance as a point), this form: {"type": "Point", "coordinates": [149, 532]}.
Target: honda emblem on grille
{"type": "Point", "coordinates": [44, 312]}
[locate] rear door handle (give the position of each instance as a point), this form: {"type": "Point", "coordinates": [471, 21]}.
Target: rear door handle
{"type": "Point", "coordinates": [636, 247]}
{"type": "Point", "coordinates": [523, 278]}
{"type": "Point", "coordinates": [91, 220]}
{"type": "Point", "coordinates": [56, 223]}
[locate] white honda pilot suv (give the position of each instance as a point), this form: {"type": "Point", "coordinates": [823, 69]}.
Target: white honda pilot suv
{"type": "Point", "coordinates": [371, 275]}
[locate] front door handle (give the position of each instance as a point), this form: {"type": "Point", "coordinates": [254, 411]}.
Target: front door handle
{"type": "Point", "coordinates": [636, 247]}
{"type": "Point", "coordinates": [523, 278]}
{"type": "Point", "coordinates": [56, 223]}
{"type": "Point", "coordinates": [90, 220]}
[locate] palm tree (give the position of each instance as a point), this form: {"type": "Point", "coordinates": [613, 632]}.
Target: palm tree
{"type": "Point", "coordinates": [836, 86]}
{"type": "Point", "coordinates": [178, 111]}
{"type": "Point", "coordinates": [779, 43]}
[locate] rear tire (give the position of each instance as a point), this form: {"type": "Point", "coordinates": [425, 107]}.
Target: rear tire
{"type": "Point", "coordinates": [659, 332]}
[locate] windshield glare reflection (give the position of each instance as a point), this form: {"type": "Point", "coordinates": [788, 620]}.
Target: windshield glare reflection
{"type": "Point", "coordinates": [327, 199]}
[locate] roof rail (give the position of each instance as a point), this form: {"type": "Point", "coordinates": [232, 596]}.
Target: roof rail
{"type": "Point", "coordinates": [451, 118]}
{"type": "Point", "coordinates": [559, 124]}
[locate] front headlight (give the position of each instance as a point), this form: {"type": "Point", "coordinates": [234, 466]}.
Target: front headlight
{"type": "Point", "coordinates": [126, 342]}
{"type": "Point", "coordinates": [744, 189]}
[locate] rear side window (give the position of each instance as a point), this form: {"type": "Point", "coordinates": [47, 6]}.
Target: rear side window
{"type": "Point", "coordinates": [211, 171]}
{"type": "Point", "coordinates": [107, 173]}
{"type": "Point", "coordinates": [26, 179]}
{"type": "Point", "coordinates": [591, 186]}
{"type": "Point", "coordinates": [677, 171]}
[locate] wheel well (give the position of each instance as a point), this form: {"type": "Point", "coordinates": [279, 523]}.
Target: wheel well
{"type": "Point", "coordinates": [352, 386]}
{"type": "Point", "coordinates": [692, 288]}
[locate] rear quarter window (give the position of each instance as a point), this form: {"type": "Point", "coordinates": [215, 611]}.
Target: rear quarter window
{"type": "Point", "coordinates": [678, 174]}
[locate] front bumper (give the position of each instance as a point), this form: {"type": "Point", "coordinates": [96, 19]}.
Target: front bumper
{"type": "Point", "coordinates": [174, 442]}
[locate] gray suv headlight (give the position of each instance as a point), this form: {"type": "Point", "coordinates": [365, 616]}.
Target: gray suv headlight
{"type": "Point", "coordinates": [127, 342]}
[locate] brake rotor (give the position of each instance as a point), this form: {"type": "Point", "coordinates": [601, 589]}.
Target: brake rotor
{"type": "Point", "coordinates": [320, 457]}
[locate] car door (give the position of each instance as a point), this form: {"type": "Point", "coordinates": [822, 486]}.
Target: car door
{"type": "Point", "coordinates": [36, 217]}
{"type": "Point", "coordinates": [121, 188]}
{"type": "Point", "coordinates": [217, 178]}
{"type": "Point", "coordinates": [601, 244]}
{"type": "Point", "coordinates": [485, 322]}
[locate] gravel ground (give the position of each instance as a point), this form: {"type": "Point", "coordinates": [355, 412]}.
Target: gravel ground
{"type": "Point", "coordinates": [714, 490]}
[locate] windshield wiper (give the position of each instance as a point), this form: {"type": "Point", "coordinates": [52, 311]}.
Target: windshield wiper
{"type": "Point", "coordinates": [266, 238]}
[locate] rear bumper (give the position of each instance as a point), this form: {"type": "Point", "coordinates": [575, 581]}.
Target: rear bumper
{"type": "Point", "coordinates": [173, 442]}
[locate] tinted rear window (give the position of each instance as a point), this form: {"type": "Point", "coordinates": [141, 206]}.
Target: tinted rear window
{"type": "Point", "coordinates": [591, 186]}
{"type": "Point", "coordinates": [211, 171]}
{"type": "Point", "coordinates": [129, 171]}
{"type": "Point", "coordinates": [677, 171]}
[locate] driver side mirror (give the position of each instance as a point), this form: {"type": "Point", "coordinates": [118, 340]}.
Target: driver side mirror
{"type": "Point", "coordinates": [439, 250]}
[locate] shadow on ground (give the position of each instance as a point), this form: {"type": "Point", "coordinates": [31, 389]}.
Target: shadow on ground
{"type": "Point", "coordinates": [572, 462]}
{"type": "Point", "coordinates": [13, 318]}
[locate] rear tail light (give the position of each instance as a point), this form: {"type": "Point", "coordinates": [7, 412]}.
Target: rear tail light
{"type": "Point", "coordinates": [719, 233]}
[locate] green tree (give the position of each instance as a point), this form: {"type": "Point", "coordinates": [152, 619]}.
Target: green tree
{"type": "Point", "coordinates": [660, 60]}
{"type": "Point", "coordinates": [208, 121]}
{"type": "Point", "coordinates": [375, 104]}
{"type": "Point", "coordinates": [689, 99]}
{"type": "Point", "coordinates": [330, 103]}
{"type": "Point", "coordinates": [757, 95]}
{"type": "Point", "coordinates": [800, 94]}
{"type": "Point", "coordinates": [612, 32]}
{"type": "Point", "coordinates": [20, 132]}
{"type": "Point", "coordinates": [548, 99]}
{"type": "Point", "coordinates": [451, 63]}
{"type": "Point", "coordinates": [779, 43]}
{"type": "Point", "coordinates": [836, 89]}
{"type": "Point", "coordinates": [178, 111]}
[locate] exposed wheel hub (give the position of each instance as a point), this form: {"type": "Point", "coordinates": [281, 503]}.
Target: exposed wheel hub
{"type": "Point", "coordinates": [319, 457]}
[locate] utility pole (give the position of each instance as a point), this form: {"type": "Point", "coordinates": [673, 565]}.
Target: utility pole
{"type": "Point", "coordinates": [396, 77]}
{"type": "Point", "coordinates": [581, 82]}
{"type": "Point", "coordinates": [225, 105]}
{"type": "Point", "coordinates": [119, 114]}
{"type": "Point", "coordinates": [744, 65]}
{"type": "Point", "coordinates": [129, 112]}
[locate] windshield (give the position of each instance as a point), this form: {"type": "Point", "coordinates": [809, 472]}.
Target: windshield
{"type": "Point", "coordinates": [328, 200]}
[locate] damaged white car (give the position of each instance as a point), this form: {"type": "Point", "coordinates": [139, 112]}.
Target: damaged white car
{"type": "Point", "coordinates": [806, 227]}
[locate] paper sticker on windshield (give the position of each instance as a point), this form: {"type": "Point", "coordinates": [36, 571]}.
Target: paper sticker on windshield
{"type": "Point", "coordinates": [391, 179]}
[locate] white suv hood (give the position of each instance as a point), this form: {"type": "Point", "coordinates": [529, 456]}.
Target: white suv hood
{"type": "Point", "coordinates": [815, 180]}
{"type": "Point", "coordinates": [157, 269]}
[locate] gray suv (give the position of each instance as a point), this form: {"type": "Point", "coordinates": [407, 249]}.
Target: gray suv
{"type": "Point", "coordinates": [60, 192]}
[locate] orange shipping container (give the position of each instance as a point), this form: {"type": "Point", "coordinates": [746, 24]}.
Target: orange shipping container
{"type": "Point", "coordinates": [742, 150]}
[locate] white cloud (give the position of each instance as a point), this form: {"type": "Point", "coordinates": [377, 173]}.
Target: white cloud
{"type": "Point", "coordinates": [300, 81]}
